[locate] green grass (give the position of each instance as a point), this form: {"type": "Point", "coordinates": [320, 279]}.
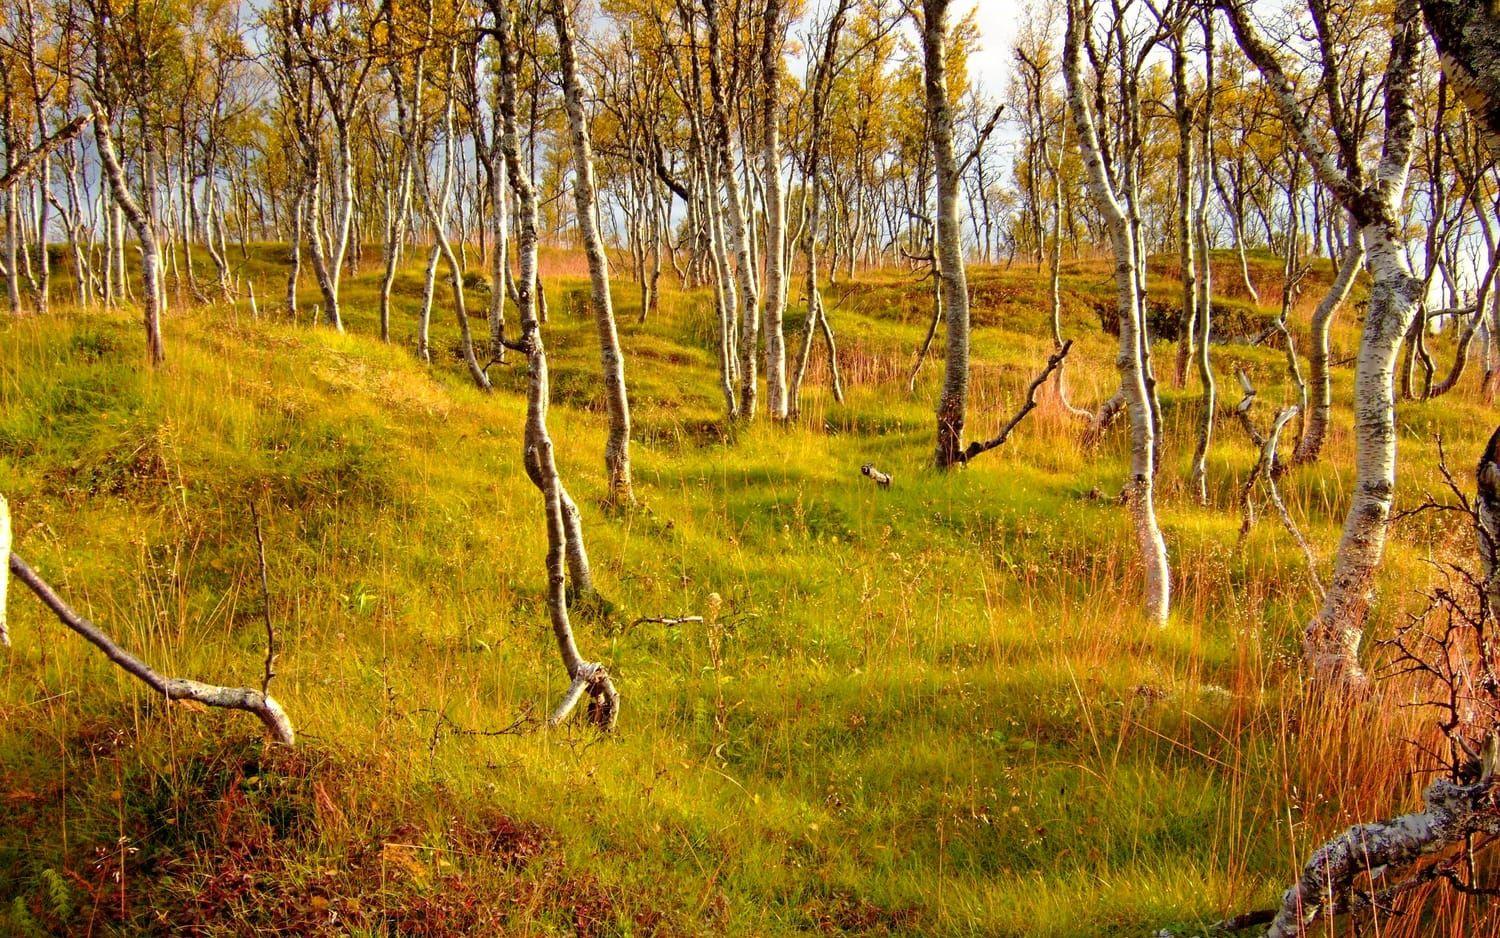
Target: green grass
{"type": "Point", "coordinates": [929, 710]}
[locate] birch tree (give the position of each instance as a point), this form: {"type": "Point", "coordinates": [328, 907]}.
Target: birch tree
{"type": "Point", "coordinates": [611, 357]}
{"type": "Point", "coordinates": [1374, 200]}
{"type": "Point", "coordinates": [585, 677]}
{"type": "Point", "coordinates": [953, 401]}
{"type": "Point", "coordinates": [1103, 188]}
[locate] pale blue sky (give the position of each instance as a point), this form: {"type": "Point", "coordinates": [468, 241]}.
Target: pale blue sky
{"type": "Point", "coordinates": [999, 21]}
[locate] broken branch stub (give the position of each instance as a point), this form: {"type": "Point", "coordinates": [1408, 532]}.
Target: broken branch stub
{"type": "Point", "coordinates": [604, 703]}
{"type": "Point", "coordinates": [277, 723]}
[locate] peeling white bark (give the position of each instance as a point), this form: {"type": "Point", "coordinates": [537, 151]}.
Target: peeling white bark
{"type": "Point", "coordinates": [1331, 641]}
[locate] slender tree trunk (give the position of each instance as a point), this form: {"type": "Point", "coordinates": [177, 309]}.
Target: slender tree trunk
{"type": "Point", "coordinates": [1140, 488]}
{"type": "Point", "coordinates": [736, 231]}
{"type": "Point", "coordinates": [1186, 236]}
{"type": "Point", "coordinates": [1333, 638]}
{"type": "Point", "coordinates": [538, 458]}
{"type": "Point", "coordinates": [1331, 641]}
{"type": "Point", "coordinates": [770, 65]}
{"type": "Point", "coordinates": [150, 257]}
{"type": "Point", "coordinates": [953, 402]}
{"type": "Point", "coordinates": [1320, 404]}
{"type": "Point", "coordinates": [611, 357]}
{"type": "Point", "coordinates": [1204, 296]}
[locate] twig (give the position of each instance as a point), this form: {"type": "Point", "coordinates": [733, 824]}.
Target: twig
{"type": "Point", "coordinates": [1268, 464]}
{"type": "Point", "coordinates": [445, 723]}
{"type": "Point", "coordinates": [265, 597]}
{"type": "Point", "coordinates": [665, 620]}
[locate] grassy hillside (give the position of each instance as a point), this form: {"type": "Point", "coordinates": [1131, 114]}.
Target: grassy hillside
{"type": "Point", "coordinates": [931, 709]}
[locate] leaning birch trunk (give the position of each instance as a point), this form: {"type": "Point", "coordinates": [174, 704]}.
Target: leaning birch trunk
{"type": "Point", "coordinates": [586, 677]}
{"type": "Point", "coordinates": [1451, 813]}
{"type": "Point", "coordinates": [150, 254]}
{"type": "Point", "coordinates": [258, 702]}
{"type": "Point", "coordinates": [770, 65]}
{"type": "Point", "coordinates": [611, 358]}
{"type": "Point", "coordinates": [1320, 405]}
{"type": "Point", "coordinates": [1139, 489]}
{"type": "Point", "coordinates": [953, 402]}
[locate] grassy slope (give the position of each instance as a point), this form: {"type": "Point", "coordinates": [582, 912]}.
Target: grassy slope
{"type": "Point", "coordinates": [931, 709]}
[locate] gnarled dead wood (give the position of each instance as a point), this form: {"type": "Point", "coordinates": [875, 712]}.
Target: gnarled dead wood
{"type": "Point", "coordinates": [1385, 850]}
{"type": "Point", "coordinates": [1369, 864]}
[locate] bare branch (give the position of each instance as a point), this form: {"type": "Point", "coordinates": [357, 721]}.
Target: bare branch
{"type": "Point", "coordinates": [277, 723]}
{"type": "Point", "coordinates": [1053, 363]}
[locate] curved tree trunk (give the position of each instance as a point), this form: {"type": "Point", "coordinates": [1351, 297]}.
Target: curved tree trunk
{"type": "Point", "coordinates": [586, 677]}
{"type": "Point", "coordinates": [1320, 403]}
{"type": "Point", "coordinates": [144, 231]}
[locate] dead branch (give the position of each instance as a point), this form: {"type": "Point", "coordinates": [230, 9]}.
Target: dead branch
{"type": "Point", "coordinates": [1387, 849]}
{"type": "Point", "coordinates": [1053, 363]}
{"type": "Point", "coordinates": [984, 135]}
{"type": "Point", "coordinates": [277, 723]}
{"type": "Point", "coordinates": [1268, 473]}
{"type": "Point", "coordinates": [445, 725]}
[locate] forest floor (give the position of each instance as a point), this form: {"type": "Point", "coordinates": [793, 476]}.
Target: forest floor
{"type": "Point", "coordinates": [928, 709]}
